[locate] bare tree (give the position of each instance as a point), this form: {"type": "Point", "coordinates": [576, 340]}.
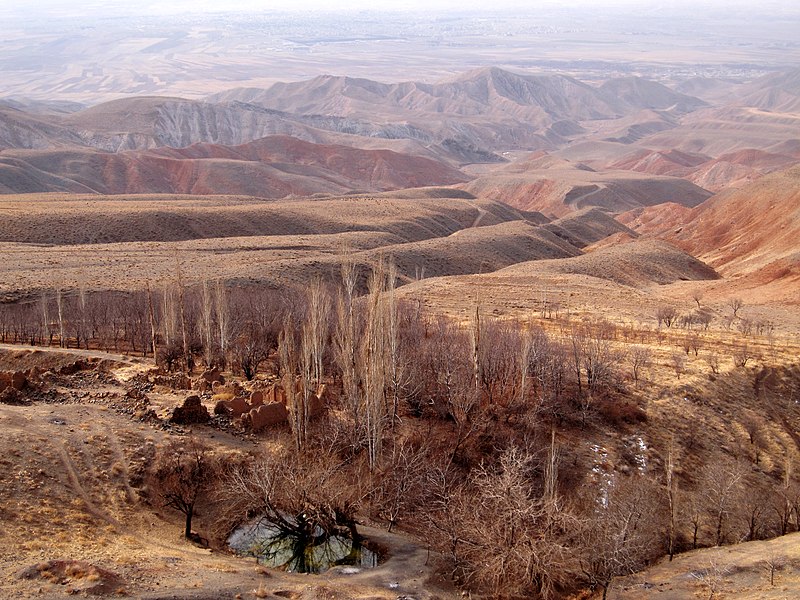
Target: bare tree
{"type": "Point", "coordinates": [712, 358]}
{"type": "Point", "coordinates": [735, 304]}
{"type": "Point", "coordinates": [182, 313]}
{"type": "Point", "coordinates": [518, 536]}
{"type": "Point", "coordinates": [289, 362]}
{"type": "Point", "coordinates": [300, 497]}
{"type": "Point", "coordinates": [207, 323]}
{"type": "Point", "coordinates": [712, 576]}
{"type": "Point", "coordinates": [720, 487]}
{"type": "Point", "coordinates": [624, 533]}
{"type": "Point", "coordinates": [313, 341]}
{"type": "Point", "coordinates": [250, 349]}
{"type": "Point", "coordinates": [499, 368]}
{"type": "Point", "coordinates": [697, 296]}
{"type": "Point", "coordinates": [181, 473]}
{"type": "Point", "coordinates": [671, 484]}
{"type": "Point", "coordinates": [223, 318]}
{"type": "Point", "coordinates": [742, 354]}
{"type": "Point", "coordinates": [62, 342]}
{"type": "Point", "coordinates": [678, 363]}
{"type": "Point", "coordinates": [666, 315]}
{"type": "Point", "coordinates": [639, 358]}
{"type": "Point", "coordinates": [46, 335]}
{"type": "Point", "coordinates": [373, 364]}
{"type": "Point", "coordinates": [401, 479]}
{"type": "Point", "coordinates": [773, 563]}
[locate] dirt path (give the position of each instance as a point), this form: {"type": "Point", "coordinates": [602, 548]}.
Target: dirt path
{"type": "Point", "coordinates": [99, 354]}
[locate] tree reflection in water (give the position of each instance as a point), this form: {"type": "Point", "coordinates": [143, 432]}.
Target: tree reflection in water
{"type": "Point", "coordinates": [301, 550]}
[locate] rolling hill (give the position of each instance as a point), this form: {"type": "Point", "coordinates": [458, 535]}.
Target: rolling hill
{"type": "Point", "coordinates": [272, 167]}
{"type": "Point", "coordinates": [560, 188]}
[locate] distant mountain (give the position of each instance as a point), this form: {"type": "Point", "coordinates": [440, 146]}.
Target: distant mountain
{"type": "Point", "coordinates": [642, 93]}
{"type": "Point", "coordinates": [21, 129]}
{"type": "Point", "coordinates": [483, 117]}
{"type": "Point", "coordinates": [714, 174]}
{"type": "Point", "coordinates": [777, 92]}
{"type": "Point", "coordinates": [670, 162]}
{"type": "Point", "coordinates": [489, 91]}
{"type": "Point", "coordinates": [709, 89]}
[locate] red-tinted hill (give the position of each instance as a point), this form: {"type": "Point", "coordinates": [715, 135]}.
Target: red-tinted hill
{"type": "Point", "coordinates": [746, 229]}
{"type": "Point", "coordinates": [272, 167]}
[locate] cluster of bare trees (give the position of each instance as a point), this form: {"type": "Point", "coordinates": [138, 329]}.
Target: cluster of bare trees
{"type": "Point", "coordinates": [458, 430]}
{"type": "Point", "coordinates": [209, 323]}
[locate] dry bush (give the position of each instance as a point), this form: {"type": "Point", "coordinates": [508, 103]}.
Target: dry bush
{"type": "Point", "coordinates": [518, 535]}
{"type": "Point", "coordinates": [620, 412]}
{"type": "Point", "coordinates": [625, 532]}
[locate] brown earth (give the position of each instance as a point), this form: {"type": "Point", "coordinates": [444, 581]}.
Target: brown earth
{"type": "Point", "coordinates": [74, 517]}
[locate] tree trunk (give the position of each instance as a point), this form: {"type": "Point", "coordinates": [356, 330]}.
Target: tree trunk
{"type": "Point", "coordinates": [187, 532]}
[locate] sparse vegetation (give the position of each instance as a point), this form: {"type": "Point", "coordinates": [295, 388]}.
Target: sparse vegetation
{"type": "Point", "coordinates": [519, 376]}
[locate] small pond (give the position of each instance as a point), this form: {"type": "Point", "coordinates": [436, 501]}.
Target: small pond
{"type": "Point", "coordinates": [277, 549]}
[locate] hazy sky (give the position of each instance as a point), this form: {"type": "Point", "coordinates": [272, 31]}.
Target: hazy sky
{"type": "Point", "coordinates": [172, 6]}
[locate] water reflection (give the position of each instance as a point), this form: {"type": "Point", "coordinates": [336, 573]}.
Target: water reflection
{"type": "Point", "coordinates": [313, 553]}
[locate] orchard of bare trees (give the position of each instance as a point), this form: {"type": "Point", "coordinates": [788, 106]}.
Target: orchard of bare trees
{"type": "Point", "coordinates": [496, 441]}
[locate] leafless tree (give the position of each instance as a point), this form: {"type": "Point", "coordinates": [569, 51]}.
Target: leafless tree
{"type": "Point", "coordinates": [221, 307]}
{"type": "Point", "coordinates": [250, 349]}
{"type": "Point", "coordinates": [298, 496]}
{"type": "Point", "coordinates": [671, 486]}
{"type": "Point", "coordinates": [742, 354]}
{"type": "Point", "coordinates": [345, 348]}
{"type": "Point", "coordinates": [289, 367]}
{"type": "Point", "coordinates": [181, 473]}
{"type": "Point", "coordinates": [599, 360]}
{"type": "Point", "coordinates": [62, 342]}
{"type": "Point", "coordinates": [639, 358]}
{"type": "Point", "coordinates": [314, 335]}
{"type": "Point", "coordinates": [712, 358]}
{"type": "Point", "coordinates": [400, 481]}
{"type": "Point", "coordinates": [774, 562]}
{"type": "Point", "coordinates": [678, 363]}
{"type": "Point", "coordinates": [712, 575]}
{"type": "Point", "coordinates": [500, 369]}
{"type": "Point", "coordinates": [752, 506]}
{"type": "Point", "coordinates": [207, 323]}
{"type": "Point", "coordinates": [666, 315]}
{"type": "Point", "coordinates": [46, 334]}
{"type": "Point", "coordinates": [735, 304]}
{"type": "Point", "coordinates": [577, 341]}
{"type": "Point", "coordinates": [693, 512]}
{"type": "Point", "coordinates": [745, 326]}
{"type": "Point", "coordinates": [624, 533]}
{"type": "Point", "coordinates": [697, 296]}
{"type": "Point", "coordinates": [182, 313]}
{"type": "Point", "coordinates": [517, 537]}
{"type": "Point", "coordinates": [720, 488]}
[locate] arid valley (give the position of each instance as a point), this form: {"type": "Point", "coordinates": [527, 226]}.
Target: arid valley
{"type": "Point", "coordinates": [406, 303]}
